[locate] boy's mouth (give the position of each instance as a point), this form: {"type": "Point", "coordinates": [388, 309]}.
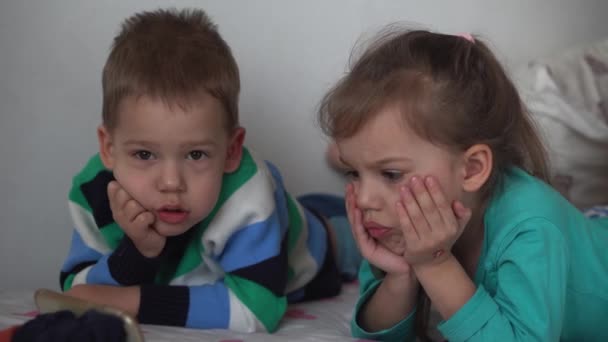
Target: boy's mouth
{"type": "Point", "coordinates": [172, 215]}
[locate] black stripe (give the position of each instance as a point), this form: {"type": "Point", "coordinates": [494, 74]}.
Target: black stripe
{"type": "Point", "coordinates": [79, 267]}
{"type": "Point", "coordinates": [164, 304]}
{"type": "Point", "coordinates": [96, 193]}
{"type": "Point", "coordinates": [270, 273]}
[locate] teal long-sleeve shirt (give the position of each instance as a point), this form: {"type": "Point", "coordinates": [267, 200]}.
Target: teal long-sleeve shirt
{"type": "Point", "coordinates": [542, 274]}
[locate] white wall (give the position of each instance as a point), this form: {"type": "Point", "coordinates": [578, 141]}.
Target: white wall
{"type": "Point", "coordinates": [289, 52]}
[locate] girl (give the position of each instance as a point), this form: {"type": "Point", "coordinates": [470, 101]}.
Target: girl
{"type": "Point", "coordinates": [449, 201]}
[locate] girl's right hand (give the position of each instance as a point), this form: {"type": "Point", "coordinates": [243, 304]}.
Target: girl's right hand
{"type": "Point", "coordinates": [135, 221]}
{"type": "Point", "coordinates": [375, 253]}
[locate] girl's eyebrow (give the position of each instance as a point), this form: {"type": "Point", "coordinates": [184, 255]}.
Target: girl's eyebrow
{"type": "Point", "coordinates": [389, 160]}
{"type": "Point", "coordinates": [383, 161]}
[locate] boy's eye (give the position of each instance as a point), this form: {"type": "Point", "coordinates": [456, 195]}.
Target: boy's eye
{"type": "Point", "coordinates": [196, 155]}
{"type": "Point", "coordinates": [143, 155]}
{"type": "Point", "coordinates": [392, 175]}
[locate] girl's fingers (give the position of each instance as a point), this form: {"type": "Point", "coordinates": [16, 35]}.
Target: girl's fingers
{"type": "Point", "coordinates": [407, 227]}
{"type": "Point", "coordinates": [414, 212]}
{"type": "Point", "coordinates": [427, 204]}
{"type": "Point", "coordinates": [463, 214]}
{"type": "Point", "coordinates": [443, 208]}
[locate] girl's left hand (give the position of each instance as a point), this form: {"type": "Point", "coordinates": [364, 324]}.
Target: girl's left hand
{"type": "Point", "coordinates": [430, 224]}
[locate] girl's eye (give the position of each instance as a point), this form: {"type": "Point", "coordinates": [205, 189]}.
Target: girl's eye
{"type": "Point", "coordinates": [392, 175]}
{"type": "Point", "coordinates": [351, 174]}
{"type": "Point", "coordinates": [196, 155]}
{"type": "Point", "coordinates": [143, 155]}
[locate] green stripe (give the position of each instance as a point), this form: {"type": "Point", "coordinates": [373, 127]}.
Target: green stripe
{"type": "Point", "coordinates": [113, 234]}
{"type": "Point", "coordinates": [231, 182]}
{"type": "Point", "coordinates": [68, 282]}
{"type": "Point", "coordinates": [93, 167]}
{"type": "Point", "coordinates": [268, 308]}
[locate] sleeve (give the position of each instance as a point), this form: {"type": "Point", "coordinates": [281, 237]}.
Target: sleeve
{"type": "Point", "coordinates": [100, 253]}
{"type": "Point", "coordinates": [250, 297]}
{"type": "Point", "coordinates": [369, 280]}
{"type": "Point", "coordinates": [531, 271]}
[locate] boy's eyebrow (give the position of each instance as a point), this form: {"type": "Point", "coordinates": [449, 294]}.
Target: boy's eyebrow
{"type": "Point", "coordinates": [206, 142]}
{"type": "Point", "coordinates": [139, 142]}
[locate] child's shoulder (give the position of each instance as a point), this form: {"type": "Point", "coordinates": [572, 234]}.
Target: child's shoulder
{"type": "Point", "coordinates": [93, 167]}
{"type": "Point", "coordinates": [522, 201]}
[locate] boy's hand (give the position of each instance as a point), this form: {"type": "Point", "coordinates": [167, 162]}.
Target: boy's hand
{"type": "Point", "coordinates": [137, 222]}
{"type": "Point", "coordinates": [429, 223]}
{"type": "Point", "coordinates": [371, 250]}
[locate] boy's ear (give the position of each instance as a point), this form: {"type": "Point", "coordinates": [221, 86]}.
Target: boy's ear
{"type": "Point", "coordinates": [105, 147]}
{"type": "Point", "coordinates": [477, 167]}
{"type": "Point", "coordinates": [235, 150]}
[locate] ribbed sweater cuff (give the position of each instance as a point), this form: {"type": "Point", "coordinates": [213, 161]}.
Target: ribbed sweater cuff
{"type": "Point", "coordinates": [162, 304]}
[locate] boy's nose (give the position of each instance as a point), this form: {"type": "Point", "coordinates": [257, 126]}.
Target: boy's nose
{"type": "Point", "coordinates": [171, 178]}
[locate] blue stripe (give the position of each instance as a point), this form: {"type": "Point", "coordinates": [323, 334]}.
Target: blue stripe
{"type": "Point", "coordinates": [100, 273]}
{"type": "Point", "coordinates": [317, 238]}
{"type": "Point", "coordinates": [253, 244]}
{"type": "Point", "coordinates": [209, 307]}
{"type": "Point", "coordinates": [79, 253]}
{"type": "Point", "coordinates": [261, 240]}
{"type": "Point", "coordinates": [280, 199]}
{"type": "Point", "coordinates": [325, 204]}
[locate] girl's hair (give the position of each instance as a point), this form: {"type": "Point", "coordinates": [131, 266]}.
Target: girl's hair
{"type": "Point", "coordinates": [451, 90]}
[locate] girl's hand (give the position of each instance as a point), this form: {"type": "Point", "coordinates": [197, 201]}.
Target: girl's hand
{"type": "Point", "coordinates": [371, 250]}
{"type": "Point", "coordinates": [429, 223]}
{"type": "Point", "coordinates": [135, 221]}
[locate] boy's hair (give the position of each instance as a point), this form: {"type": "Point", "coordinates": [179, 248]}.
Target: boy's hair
{"type": "Point", "coordinates": [171, 55]}
{"type": "Point", "coordinates": [451, 90]}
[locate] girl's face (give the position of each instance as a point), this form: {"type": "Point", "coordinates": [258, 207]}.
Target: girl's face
{"type": "Point", "coordinates": [380, 159]}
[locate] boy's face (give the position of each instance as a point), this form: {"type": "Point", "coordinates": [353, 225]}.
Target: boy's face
{"type": "Point", "coordinates": [171, 159]}
{"type": "Point", "coordinates": [381, 158]}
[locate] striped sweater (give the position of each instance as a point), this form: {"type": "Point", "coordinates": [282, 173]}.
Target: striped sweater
{"type": "Point", "coordinates": [234, 270]}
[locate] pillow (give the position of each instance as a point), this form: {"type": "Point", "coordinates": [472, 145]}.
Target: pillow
{"type": "Point", "coordinates": [567, 96]}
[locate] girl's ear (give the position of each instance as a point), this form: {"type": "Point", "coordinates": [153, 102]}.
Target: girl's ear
{"type": "Point", "coordinates": [235, 150]}
{"type": "Point", "coordinates": [477, 167]}
{"type": "Point", "coordinates": [105, 147]}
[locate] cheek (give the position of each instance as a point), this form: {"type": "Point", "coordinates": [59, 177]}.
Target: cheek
{"type": "Point", "coordinates": [134, 183]}
{"type": "Point", "coordinates": [204, 191]}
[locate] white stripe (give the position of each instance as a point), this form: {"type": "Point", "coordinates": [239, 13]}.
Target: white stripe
{"type": "Point", "coordinates": [253, 202]}
{"type": "Point", "coordinates": [81, 277]}
{"type": "Point", "coordinates": [241, 318]}
{"type": "Point", "coordinates": [300, 259]}
{"type": "Point", "coordinates": [207, 272]}
{"type": "Point", "coordinates": [86, 226]}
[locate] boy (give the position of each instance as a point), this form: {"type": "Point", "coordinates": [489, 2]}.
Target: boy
{"type": "Point", "coordinates": [176, 222]}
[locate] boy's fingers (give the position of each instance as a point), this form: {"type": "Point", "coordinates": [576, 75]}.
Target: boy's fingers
{"type": "Point", "coordinates": [145, 219]}
{"type": "Point", "coordinates": [132, 210]}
